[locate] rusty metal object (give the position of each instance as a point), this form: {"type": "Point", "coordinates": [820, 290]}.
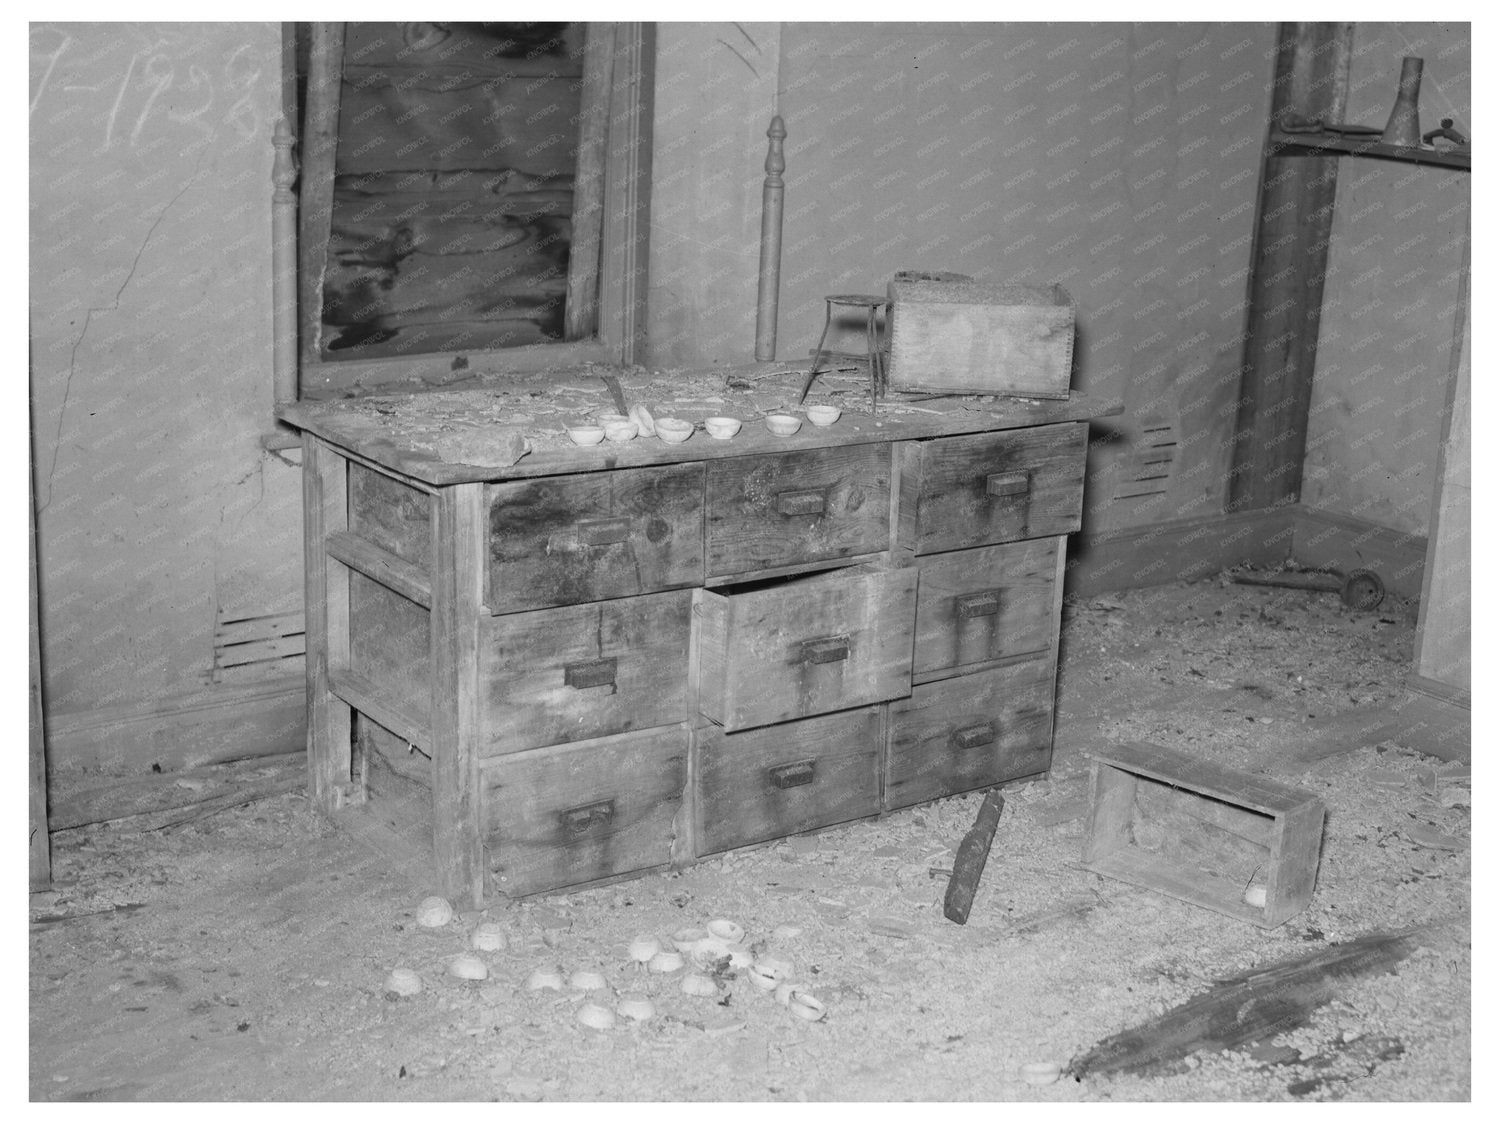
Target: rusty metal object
{"type": "Point", "coordinates": [1359, 589]}
{"type": "Point", "coordinates": [1447, 132]}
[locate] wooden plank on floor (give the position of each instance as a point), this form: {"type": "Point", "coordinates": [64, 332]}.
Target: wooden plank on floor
{"type": "Point", "coordinates": [1251, 1006]}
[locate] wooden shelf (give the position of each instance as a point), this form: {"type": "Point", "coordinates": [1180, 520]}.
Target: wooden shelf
{"type": "Point", "coordinates": [1332, 144]}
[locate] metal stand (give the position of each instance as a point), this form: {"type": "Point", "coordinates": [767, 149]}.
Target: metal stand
{"type": "Point", "coordinates": [872, 306]}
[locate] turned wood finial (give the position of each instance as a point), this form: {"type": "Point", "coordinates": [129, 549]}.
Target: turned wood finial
{"type": "Point", "coordinates": [775, 157]}
{"type": "Point", "coordinates": [768, 284]}
{"type": "Point", "coordinates": [284, 164]}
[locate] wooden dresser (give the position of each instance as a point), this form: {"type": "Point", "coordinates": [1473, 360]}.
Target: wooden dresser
{"type": "Point", "coordinates": [610, 659]}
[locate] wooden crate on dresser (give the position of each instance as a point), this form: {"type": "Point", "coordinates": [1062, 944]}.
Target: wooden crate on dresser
{"type": "Point", "coordinates": [598, 661]}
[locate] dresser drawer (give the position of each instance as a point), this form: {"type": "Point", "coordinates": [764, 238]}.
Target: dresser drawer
{"type": "Point", "coordinates": [767, 512]}
{"type": "Point", "coordinates": [779, 780]}
{"type": "Point", "coordinates": [584, 671]}
{"type": "Point", "coordinates": [787, 648]}
{"type": "Point", "coordinates": [558, 817]}
{"type": "Point", "coordinates": [562, 540]}
{"type": "Point", "coordinates": [988, 603]}
{"type": "Point", "coordinates": [390, 646]}
{"type": "Point", "coordinates": [991, 487]}
{"type": "Point", "coordinates": [970, 732]}
{"type": "Point", "coordinates": [392, 515]}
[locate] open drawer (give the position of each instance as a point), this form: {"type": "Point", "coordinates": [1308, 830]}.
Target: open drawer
{"type": "Point", "coordinates": [789, 647]}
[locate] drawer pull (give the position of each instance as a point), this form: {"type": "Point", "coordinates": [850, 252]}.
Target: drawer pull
{"type": "Point", "coordinates": [972, 737]}
{"type": "Point", "coordinates": [576, 821]}
{"type": "Point", "coordinates": [1007, 483]}
{"type": "Point", "coordinates": [830, 649]}
{"type": "Point", "coordinates": [602, 532]}
{"type": "Point", "coordinates": [985, 603]}
{"type": "Point", "coordinates": [800, 503]}
{"type": "Point", "coordinates": [590, 673]}
{"type": "Point", "coordinates": [790, 776]}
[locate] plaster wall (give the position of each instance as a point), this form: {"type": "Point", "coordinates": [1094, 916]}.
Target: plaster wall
{"type": "Point", "coordinates": [158, 511]}
{"type": "Point", "coordinates": [1386, 337]}
{"type": "Point", "coordinates": [715, 95]}
{"type": "Point", "coordinates": [1119, 159]}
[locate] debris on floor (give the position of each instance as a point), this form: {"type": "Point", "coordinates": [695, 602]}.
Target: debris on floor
{"type": "Point", "coordinates": [254, 954]}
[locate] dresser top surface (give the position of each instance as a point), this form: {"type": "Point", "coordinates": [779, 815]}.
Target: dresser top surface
{"type": "Point", "coordinates": [455, 436]}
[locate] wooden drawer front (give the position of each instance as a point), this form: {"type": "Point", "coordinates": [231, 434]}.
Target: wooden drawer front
{"type": "Point", "coordinates": [970, 732]}
{"type": "Point", "coordinates": [771, 511]}
{"type": "Point", "coordinates": [390, 645]}
{"type": "Point", "coordinates": [558, 817]}
{"type": "Point", "coordinates": [989, 603]}
{"type": "Point", "coordinates": [766, 783]}
{"type": "Point", "coordinates": [390, 514]}
{"type": "Point", "coordinates": [563, 540]}
{"type": "Point", "coordinates": [583, 671]}
{"type": "Point", "coordinates": [992, 487]}
{"type": "Point", "coordinates": [805, 646]}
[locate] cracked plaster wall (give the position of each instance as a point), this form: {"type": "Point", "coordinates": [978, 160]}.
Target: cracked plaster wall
{"type": "Point", "coordinates": [151, 355]}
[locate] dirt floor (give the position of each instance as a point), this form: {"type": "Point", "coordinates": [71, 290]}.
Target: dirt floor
{"type": "Point", "coordinates": [245, 956]}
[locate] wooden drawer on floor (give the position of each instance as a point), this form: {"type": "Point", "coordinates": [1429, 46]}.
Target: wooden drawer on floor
{"type": "Point", "coordinates": [558, 817]}
{"type": "Point", "coordinates": [779, 780]}
{"type": "Point", "coordinates": [970, 732]}
{"type": "Point", "coordinates": [991, 487]}
{"type": "Point", "coordinates": [769, 512]}
{"type": "Point", "coordinates": [989, 603]}
{"type": "Point", "coordinates": [563, 540]}
{"type": "Point", "coordinates": [585, 671]}
{"type": "Point", "coordinates": [787, 648]}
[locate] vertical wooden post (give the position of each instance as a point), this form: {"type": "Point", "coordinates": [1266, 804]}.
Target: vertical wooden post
{"type": "Point", "coordinates": [581, 309]}
{"type": "Point", "coordinates": [284, 264]}
{"type": "Point", "coordinates": [40, 844]}
{"type": "Point", "coordinates": [1289, 257]}
{"type": "Point", "coordinates": [458, 545]}
{"type": "Point", "coordinates": [320, 140]}
{"type": "Point", "coordinates": [325, 509]}
{"type": "Point", "coordinates": [627, 186]}
{"type": "Point", "coordinates": [768, 289]}
{"type": "Point", "coordinates": [1442, 653]}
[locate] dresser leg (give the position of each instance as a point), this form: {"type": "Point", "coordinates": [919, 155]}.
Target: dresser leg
{"type": "Point", "coordinates": [325, 510]}
{"type": "Point", "coordinates": [458, 545]}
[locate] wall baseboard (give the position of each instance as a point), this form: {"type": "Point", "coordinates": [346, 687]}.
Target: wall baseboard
{"type": "Point", "coordinates": [1185, 549]}
{"type": "Point", "coordinates": [1177, 550]}
{"type": "Point", "coordinates": [183, 732]}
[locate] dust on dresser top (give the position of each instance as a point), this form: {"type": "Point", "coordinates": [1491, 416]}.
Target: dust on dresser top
{"type": "Point", "coordinates": [516, 426]}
